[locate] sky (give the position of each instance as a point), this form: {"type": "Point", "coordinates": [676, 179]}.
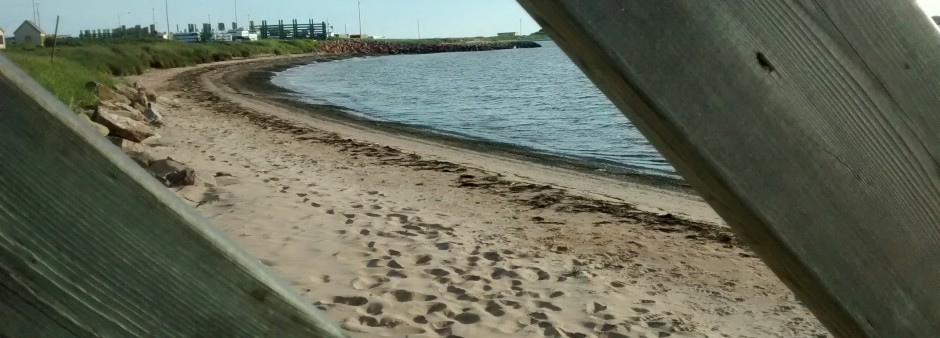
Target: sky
{"type": "Point", "coordinates": [390, 18]}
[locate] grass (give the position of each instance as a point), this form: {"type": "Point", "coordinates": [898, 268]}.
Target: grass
{"type": "Point", "coordinates": [78, 63]}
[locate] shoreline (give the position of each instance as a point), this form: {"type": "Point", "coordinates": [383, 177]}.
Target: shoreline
{"type": "Point", "coordinates": [253, 80]}
{"type": "Point", "coordinates": [260, 81]}
{"type": "Point", "coordinates": [395, 235]}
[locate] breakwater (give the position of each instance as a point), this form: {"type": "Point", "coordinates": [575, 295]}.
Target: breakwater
{"type": "Point", "coordinates": [395, 47]}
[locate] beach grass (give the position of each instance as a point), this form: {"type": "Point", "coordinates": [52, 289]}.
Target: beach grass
{"type": "Point", "coordinates": [77, 63]}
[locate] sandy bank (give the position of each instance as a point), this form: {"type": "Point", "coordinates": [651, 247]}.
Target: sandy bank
{"type": "Point", "coordinates": [397, 234]}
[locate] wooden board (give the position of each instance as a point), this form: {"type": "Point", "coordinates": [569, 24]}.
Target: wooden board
{"type": "Point", "coordinates": [91, 245]}
{"type": "Point", "coordinates": [812, 127]}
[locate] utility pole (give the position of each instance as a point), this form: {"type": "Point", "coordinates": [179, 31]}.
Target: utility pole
{"type": "Point", "coordinates": [520, 26]}
{"type": "Point", "coordinates": [236, 16]}
{"type": "Point", "coordinates": [360, 19]}
{"type": "Point", "coordinates": [419, 28]}
{"type": "Point", "coordinates": [35, 20]}
{"type": "Point", "coordinates": [153, 15]}
{"type": "Point", "coordinates": [38, 16]}
{"type": "Point", "coordinates": [55, 39]}
{"type": "Point", "coordinates": [166, 4]}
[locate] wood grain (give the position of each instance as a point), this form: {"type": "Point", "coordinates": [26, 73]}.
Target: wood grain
{"type": "Point", "coordinates": [91, 245]}
{"type": "Point", "coordinates": [810, 126]}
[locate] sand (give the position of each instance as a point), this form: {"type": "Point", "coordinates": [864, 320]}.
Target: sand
{"type": "Point", "coordinates": [397, 235]}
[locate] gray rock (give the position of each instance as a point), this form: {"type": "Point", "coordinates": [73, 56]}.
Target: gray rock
{"type": "Point", "coordinates": [152, 115]}
{"type": "Point", "coordinates": [119, 108]}
{"type": "Point", "coordinates": [172, 173]}
{"type": "Point", "coordinates": [136, 151]}
{"type": "Point", "coordinates": [124, 127]}
{"type": "Point", "coordinates": [99, 127]}
{"type": "Point", "coordinates": [134, 95]}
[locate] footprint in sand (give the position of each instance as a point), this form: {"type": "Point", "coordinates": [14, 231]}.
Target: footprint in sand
{"type": "Point", "coordinates": [538, 316]}
{"type": "Point", "coordinates": [365, 283]}
{"type": "Point", "coordinates": [401, 218]}
{"type": "Point", "coordinates": [547, 305]}
{"type": "Point", "coordinates": [351, 301]}
{"type": "Point", "coordinates": [437, 307]}
{"type": "Point", "coordinates": [443, 328]}
{"type": "Point", "coordinates": [423, 259]}
{"type": "Point", "coordinates": [467, 318]}
{"type": "Point", "coordinates": [438, 272]}
{"type": "Point", "coordinates": [374, 309]}
{"type": "Point", "coordinates": [404, 296]}
{"type": "Point", "coordinates": [493, 308]}
{"type": "Point", "coordinates": [396, 274]}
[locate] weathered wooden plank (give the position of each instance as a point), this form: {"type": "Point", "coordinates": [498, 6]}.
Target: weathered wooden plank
{"type": "Point", "coordinates": [810, 126]}
{"type": "Point", "coordinates": [90, 245]}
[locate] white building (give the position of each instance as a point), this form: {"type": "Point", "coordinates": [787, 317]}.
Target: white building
{"type": "Point", "coordinates": [222, 36]}
{"type": "Point", "coordinates": [3, 39]}
{"type": "Point", "coordinates": [242, 34]}
{"type": "Point", "coordinates": [29, 34]}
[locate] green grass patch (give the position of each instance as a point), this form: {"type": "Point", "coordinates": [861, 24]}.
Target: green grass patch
{"type": "Point", "coordinates": [79, 62]}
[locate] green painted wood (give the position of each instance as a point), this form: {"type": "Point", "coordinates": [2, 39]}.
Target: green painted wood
{"type": "Point", "coordinates": [810, 126]}
{"type": "Point", "coordinates": [91, 245]}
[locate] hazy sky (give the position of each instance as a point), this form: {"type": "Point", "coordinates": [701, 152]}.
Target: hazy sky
{"type": "Point", "coordinates": [391, 18]}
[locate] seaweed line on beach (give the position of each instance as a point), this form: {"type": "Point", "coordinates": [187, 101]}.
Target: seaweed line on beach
{"type": "Point", "coordinates": [529, 195]}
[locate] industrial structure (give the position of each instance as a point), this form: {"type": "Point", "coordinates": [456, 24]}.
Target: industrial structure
{"type": "Point", "coordinates": [29, 34]}
{"type": "Point", "coordinates": [208, 33]}
{"type": "Point", "coordinates": [123, 32]}
{"type": "Point", "coordinates": [310, 30]}
{"type": "Point", "coordinates": [292, 30]}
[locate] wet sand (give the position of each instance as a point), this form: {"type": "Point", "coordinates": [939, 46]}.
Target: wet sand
{"type": "Point", "coordinates": [397, 232]}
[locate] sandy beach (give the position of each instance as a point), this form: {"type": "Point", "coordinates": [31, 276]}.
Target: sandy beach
{"type": "Point", "coordinates": [395, 233]}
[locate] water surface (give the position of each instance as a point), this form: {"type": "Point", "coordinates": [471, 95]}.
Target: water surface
{"type": "Point", "coordinates": [534, 98]}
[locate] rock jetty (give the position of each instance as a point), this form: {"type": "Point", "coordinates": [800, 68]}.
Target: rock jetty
{"type": "Point", "coordinates": [372, 47]}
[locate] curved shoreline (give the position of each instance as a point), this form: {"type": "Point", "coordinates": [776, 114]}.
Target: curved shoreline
{"type": "Point", "coordinates": [326, 204]}
{"type": "Point", "coordinates": [260, 79]}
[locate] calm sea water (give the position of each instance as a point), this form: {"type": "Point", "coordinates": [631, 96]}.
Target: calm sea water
{"type": "Point", "coordinates": [535, 98]}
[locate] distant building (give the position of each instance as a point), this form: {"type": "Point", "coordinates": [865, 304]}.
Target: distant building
{"type": "Point", "coordinates": [190, 37]}
{"type": "Point", "coordinates": [221, 36]}
{"type": "Point", "coordinates": [3, 39]}
{"type": "Point", "coordinates": [29, 34]}
{"type": "Point", "coordinates": [507, 34]}
{"type": "Point", "coordinates": [242, 34]}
